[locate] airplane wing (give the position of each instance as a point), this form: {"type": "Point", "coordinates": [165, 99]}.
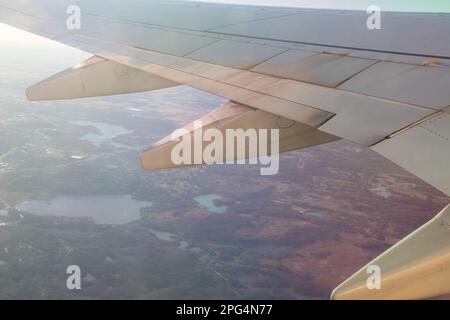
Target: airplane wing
{"type": "Point", "coordinates": [317, 75]}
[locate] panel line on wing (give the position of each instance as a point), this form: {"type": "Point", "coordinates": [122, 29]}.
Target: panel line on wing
{"type": "Point", "coordinates": [418, 123]}
{"type": "Point", "coordinates": [201, 48]}
{"type": "Point", "coordinates": [251, 21]}
{"type": "Point", "coordinates": [413, 54]}
{"type": "Point", "coordinates": [184, 28]}
{"type": "Point", "coordinates": [359, 72]}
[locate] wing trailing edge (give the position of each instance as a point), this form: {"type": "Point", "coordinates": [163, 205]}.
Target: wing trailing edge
{"type": "Point", "coordinates": [96, 77]}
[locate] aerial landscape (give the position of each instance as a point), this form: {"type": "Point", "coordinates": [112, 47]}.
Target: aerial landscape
{"type": "Point", "coordinates": [72, 192]}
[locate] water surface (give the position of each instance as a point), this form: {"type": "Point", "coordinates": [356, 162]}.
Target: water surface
{"type": "Point", "coordinates": [106, 132]}
{"type": "Point", "coordinates": [102, 209]}
{"type": "Point", "coordinates": [208, 202]}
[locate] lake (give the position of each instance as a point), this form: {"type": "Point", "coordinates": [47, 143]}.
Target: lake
{"type": "Point", "coordinates": [207, 202]}
{"type": "Point", "coordinates": [168, 236]}
{"type": "Point", "coordinates": [382, 192]}
{"type": "Point", "coordinates": [102, 209]}
{"type": "Point", "coordinates": [106, 132]}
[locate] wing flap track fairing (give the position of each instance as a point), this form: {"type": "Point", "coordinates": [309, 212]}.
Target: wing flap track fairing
{"type": "Point", "coordinates": [96, 77]}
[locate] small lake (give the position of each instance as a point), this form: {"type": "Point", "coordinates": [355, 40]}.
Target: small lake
{"type": "Point", "coordinates": [207, 202]}
{"type": "Point", "coordinates": [162, 235]}
{"type": "Point", "coordinates": [182, 244]}
{"type": "Point", "coordinates": [106, 132]}
{"type": "Point", "coordinates": [382, 192]}
{"type": "Point", "coordinates": [102, 209]}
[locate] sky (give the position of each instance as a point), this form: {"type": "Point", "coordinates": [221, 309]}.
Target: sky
{"type": "Point", "coordinates": [23, 52]}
